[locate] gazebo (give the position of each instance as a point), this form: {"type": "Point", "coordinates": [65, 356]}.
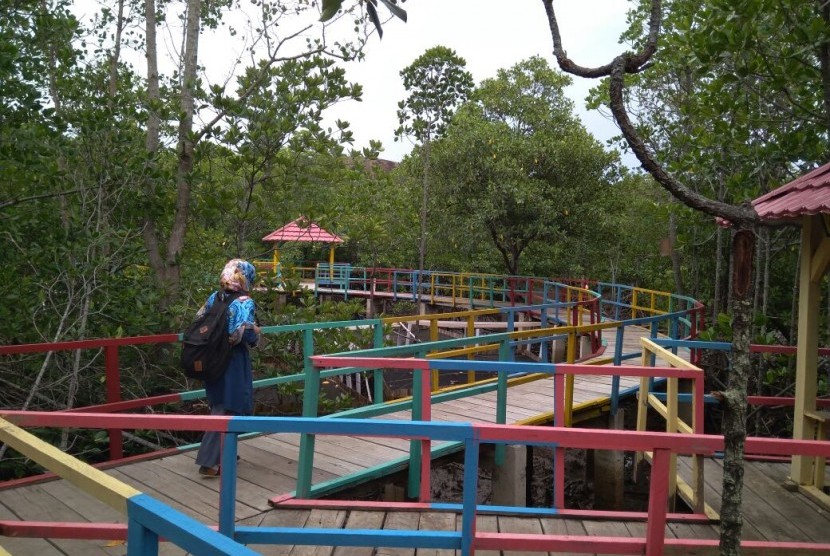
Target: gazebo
{"type": "Point", "coordinates": [301, 230]}
{"type": "Point", "coordinates": [807, 199]}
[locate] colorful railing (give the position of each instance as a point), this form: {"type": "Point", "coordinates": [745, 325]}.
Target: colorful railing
{"type": "Point", "coordinates": [149, 521]}
{"type": "Point", "coordinates": [566, 309]}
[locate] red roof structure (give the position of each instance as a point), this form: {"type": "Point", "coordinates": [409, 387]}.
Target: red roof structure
{"type": "Point", "coordinates": [807, 195]}
{"type": "Point", "coordinates": [302, 229]}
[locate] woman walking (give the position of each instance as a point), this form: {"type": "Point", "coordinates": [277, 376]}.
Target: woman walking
{"type": "Point", "coordinates": [233, 392]}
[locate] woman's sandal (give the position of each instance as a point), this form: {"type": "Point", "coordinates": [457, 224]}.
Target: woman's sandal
{"type": "Point", "coordinates": [209, 471]}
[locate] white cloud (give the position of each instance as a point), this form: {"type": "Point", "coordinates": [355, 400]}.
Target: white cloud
{"type": "Point", "coordinates": [489, 35]}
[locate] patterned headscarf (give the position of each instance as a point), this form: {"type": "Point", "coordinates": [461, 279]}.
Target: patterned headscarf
{"type": "Point", "coordinates": [238, 276]}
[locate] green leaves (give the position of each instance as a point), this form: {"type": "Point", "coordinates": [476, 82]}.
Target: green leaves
{"type": "Point", "coordinates": [516, 163]}
{"type": "Point", "coordinates": [329, 9]}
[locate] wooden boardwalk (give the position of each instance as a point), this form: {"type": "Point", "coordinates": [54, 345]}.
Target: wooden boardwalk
{"type": "Point", "coordinates": [770, 512]}
{"type": "Point", "coordinates": [268, 467]}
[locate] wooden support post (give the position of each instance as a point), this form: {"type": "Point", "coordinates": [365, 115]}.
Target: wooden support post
{"type": "Point", "coordinates": [510, 479]}
{"type": "Point", "coordinates": [609, 469]}
{"type": "Point", "coordinates": [821, 420]}
{"type": "Point", "coordinates": [806, 377]}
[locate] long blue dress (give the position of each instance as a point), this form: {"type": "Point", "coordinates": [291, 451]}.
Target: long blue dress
{"type": "Point", "coordinates": [233, 392]}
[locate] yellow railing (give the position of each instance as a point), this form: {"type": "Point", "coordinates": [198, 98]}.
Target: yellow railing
{"type": "Point", "coordinates": [671, 411]}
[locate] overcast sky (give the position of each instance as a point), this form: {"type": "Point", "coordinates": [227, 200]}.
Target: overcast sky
{"type": "Point", "coordinates": [489, 35]}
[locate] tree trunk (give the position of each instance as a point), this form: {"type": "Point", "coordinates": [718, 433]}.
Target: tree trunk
{"type": "Point", "coordinates": [824, 59]}
{"type": "Point", "coordinates": [759, 260]}
{"type": "Point", "coordinates": [676, 265]}
{"type": "Point", "coordinates": [767, 255]}
{"type": "Point", "coordinates": [731, 272]}
{"type": "Point", "coordinates": [166, 265]}
{"type": "Point", "coordinates": [422, 239]}
{"type": "Point", "coordinates": [151, 144]}
{"type": "Point", "coordinates": [116, 55]}
{"type": "Point", "coordinates": [718, 264]}
{"type": "Point", "coordinates": [734, 419]}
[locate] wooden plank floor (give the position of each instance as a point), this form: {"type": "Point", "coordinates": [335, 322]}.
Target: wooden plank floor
{"type": "Point", "coordinates": [268, 467]}
{"type": "Point", "coordinates": [770, 514]}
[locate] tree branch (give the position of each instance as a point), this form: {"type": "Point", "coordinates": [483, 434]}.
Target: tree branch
{"type": "Point", "coordinates": [20, 200]}
{"type": "Point", "coordinates": [633, 63]}
{"type": "Point", "coordinates": [735, 214]}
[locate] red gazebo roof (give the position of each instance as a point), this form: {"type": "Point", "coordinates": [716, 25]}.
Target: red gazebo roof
{"type": "Point", "coordinates": [807, 195]}
{"type": "Point", "coordinates": [302, 229]}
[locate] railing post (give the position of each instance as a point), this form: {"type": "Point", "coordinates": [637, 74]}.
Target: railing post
{"type": "Point", "coordinates": [505, 354]}
{"type": "Point", "coordinates": [657, 498]}
{"type": "Point", "coordinates": [420, 388]}
{"type": "Point", "coordinates": [378, 373]}
{"type": "Point", "coordinates": [558, 452]}
{"type": "Point", "coordinates": [433, 337]}
{"type": "Point", "coordinates": [311, 395]}
{"type": "Point", "coordinates": [227, 491]}
{"type": "Point", "coordinates": [141, 541]}
{"type": "Point", "coordinates": [672, 391]}
{"type": "Point", "coordinates": [615, 380]}
{"type": "Point", "coordinates": [471, 331]}
{"type": "Point", "coordinates": [113, 377]}
{"type": "Point", "coordinates": [468, 503]}
{"type": "Point", "coordinates": [569, 379]}
{"type": "Point", "coordinates": [424, 493]}
{"type": "Point", "coordinates": [544, 349]}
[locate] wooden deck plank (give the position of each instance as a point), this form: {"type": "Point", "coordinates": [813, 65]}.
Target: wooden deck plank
{"type": "Point", "coordinates": [525, 525]}
{"type": "Point", "coordinates": [377, 446]}
{"type": "Point", "coordinates": [361, 520]}
{"type": "Point", "coordinates": [693, 530]}
{"type": "Point", "coordinates": [89, 507]}
{"type": "Point", "coordinates": [331, 465]}
{"type": "Point", "coordinates": [249, 498]}
{"type": "Point", "coordinates": [561, 526]}
{"type": "Point", "coordinates": [199, 502]}
{"type": "Point", "coordinates": [401, 521]}
{"type": "Point", "coordinates": [283, 517]}
{"type": "Point", "coordinates": [713, 479]}
{"type": "Point", "coordinates": [436, 521]}
{"type": "Point", "coordinates": [267, 454]}
{"type": "Point", "coordinates": [607, 529]}
{"type": "Point", "coordinates": [320, 519]}
{"type": "Point", "coordinates": [25, 546]}
{"type": "Point", "coordinates": [487, 523]}
{"type": "Point", "coordinates": [325, 446]}
{"type": "Point", "coordinates": [33, 503]}
{"type": "Point", "coordinates": [762, 511]}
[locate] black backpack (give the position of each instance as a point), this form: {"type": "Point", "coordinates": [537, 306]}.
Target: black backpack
{"type": "Point", "coordinates": [206, 350]}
